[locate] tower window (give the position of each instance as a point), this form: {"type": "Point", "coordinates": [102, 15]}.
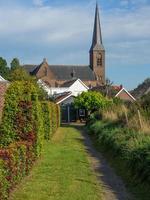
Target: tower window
{"type": "Point", "coordinates": [99, 59]}
{"type": "Point", "coordinates": [99, 62]}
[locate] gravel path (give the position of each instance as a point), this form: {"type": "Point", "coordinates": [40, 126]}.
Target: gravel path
{"type": "Point", "coordinates": [113, 186]}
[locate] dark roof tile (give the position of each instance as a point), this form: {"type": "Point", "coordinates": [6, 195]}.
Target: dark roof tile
{"type": "Point", "coordinates": [64, 72]}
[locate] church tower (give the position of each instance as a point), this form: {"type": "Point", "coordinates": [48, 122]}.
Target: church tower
{"type": "Point", "coordinates": [97, 51]}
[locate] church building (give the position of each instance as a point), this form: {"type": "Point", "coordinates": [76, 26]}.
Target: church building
{"type": "Point", "coordinates": [91, 75]}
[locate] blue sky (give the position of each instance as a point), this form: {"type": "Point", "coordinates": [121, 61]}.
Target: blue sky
{"type": "Point", "coordinates": [61, 31]}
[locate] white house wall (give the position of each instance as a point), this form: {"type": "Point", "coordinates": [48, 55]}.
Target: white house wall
{"type": "Point", "coordinates": [77, 88]}
{"type": "Point", "coordinates": [57, 90]}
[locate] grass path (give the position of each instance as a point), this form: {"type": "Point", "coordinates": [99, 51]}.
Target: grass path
{"type": "Point", "coordinates": [62, 173]}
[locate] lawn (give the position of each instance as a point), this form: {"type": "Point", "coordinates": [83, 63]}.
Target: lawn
{"type": "Point", "coordinates": [62, 173]}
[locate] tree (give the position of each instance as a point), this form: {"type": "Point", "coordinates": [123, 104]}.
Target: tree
{"type": "Point", "coordinates": [145, 102]}
{"type": "Point", "coordinates": [91, 101]}
{"type": "Point", "coordinates": [15, 64]}
{"type": "Point", "coordinates": [4, 70]}
{"type": "Point", "coordinates": [19, 74]}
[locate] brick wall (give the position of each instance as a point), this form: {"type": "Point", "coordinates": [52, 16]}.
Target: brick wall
{"type": "Point", "coordinates": [3, 88]}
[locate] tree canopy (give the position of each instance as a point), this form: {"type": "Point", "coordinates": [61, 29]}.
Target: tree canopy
{"type": "Point", "coordinates": [91, 101]}
{"type": "Point", "coordinates": [19, 74]}
{"type": "Point", "coordinates": [15, 64]}
{"type": "Point", "coordinates": [4, 70]}
{"type": "Point", "coordinates": [145, 101]}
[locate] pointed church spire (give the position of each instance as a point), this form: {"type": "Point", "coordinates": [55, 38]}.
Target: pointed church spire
{"type": "Point", "coordinates": [97, 43]}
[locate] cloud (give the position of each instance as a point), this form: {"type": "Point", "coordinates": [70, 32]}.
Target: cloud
{"type": "Point", "coordinates": [38, 2]}
{"type": "Point", "coordinates": [64, 34]}
{"type": "Point", "coordinates": [127, 25]}
{"type": "Point", "coordinates": [44, 24]}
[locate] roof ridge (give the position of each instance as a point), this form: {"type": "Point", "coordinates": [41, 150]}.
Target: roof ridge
{"type": "Point", "coordinates": [72, 65]}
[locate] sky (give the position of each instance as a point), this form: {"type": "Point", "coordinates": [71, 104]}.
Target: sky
{"type": "Point", "coordinates": [61, 31]}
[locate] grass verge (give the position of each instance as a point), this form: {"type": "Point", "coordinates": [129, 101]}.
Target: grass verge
{"type": "Point", "coordinates": [141, 191]}
{"type": "Point", "coordinates": [63, 173]}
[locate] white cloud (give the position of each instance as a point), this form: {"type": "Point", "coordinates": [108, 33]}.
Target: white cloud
{"type": "Point", "coordinates": [48, 24]}
{"type": "Point", "coordinates": [126, 34]}
{"type": "Point", "coordinates": [123, 26]}
{"type": "Point", "coordinates": [38, 2]}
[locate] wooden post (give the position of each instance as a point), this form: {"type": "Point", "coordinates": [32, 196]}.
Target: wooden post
{"type": "Point", "coordinates": [140, 120]}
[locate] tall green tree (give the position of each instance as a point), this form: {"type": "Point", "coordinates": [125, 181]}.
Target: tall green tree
{"type": "Point", "coordinates": [91, 101]}
{"type": "Point", "coordinates": [19, 74]}
{"type": "Point", "coordinates": [15, 64]}
{"type": "Point", "coordinates": [4, 70]}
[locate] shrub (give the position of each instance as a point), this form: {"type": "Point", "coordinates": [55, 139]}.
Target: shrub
{"type": "Point", "coordinates": [15, 162]}
{"type": "Point", "coordinates": [17, 92]}
{"type": "Point", "coordinates": [51, 118]}
{"type": "Point", "coordinates": [22, 116]}
{"type": "Point", "coordinates": [128, 145]}
{"type": "Point", "coordinates": [55, 116]}
{"type": "Point", "coordinates": [46, 120]}
{"type": "Point", "coordinates": [25, 123]}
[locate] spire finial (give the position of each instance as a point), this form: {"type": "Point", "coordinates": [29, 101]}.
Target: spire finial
{"type": "Point", "coordinates": [44, 60]}
{"type": "Point", "coordinates": [97, 36]}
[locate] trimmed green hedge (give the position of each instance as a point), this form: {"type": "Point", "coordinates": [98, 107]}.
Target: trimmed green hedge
{"type": "Point", "coordinates": [15, 162]}
{"type": "Point", "coordinates": [26, 121]}
{"type": "Point", "coordinates": [132, 147]}
{"type": "Point", "coordinates": [19, 91]}
{"type": "Point", "coordinates": [46, 120]}
{"type": "Point", "coordinates": [51, 118]}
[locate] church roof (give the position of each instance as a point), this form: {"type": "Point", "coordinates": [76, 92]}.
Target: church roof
{"type": "Point", "coordinates": [97, 43]}
{"type": "Point", "coordinates": [29, 68]}
{"type": "Point", "coordinates": [64, 72]}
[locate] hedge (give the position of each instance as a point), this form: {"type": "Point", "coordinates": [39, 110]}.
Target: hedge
{"type": "Point", "coordinates": [127, 145]}
{"type": "Point", "coordinates": [16, 93]}
{"type": "Point", "coordinates": [26, 121]}
{"type": "Point", "coordinates": [46, 119]}
{"type": "Point", "coordinates": [51, 118]}
{"type": "Point", "coordinates": [15, 162]}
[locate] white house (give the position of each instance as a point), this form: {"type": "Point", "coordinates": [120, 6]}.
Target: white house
{"type": "Point", "coordinates": [75, 86]}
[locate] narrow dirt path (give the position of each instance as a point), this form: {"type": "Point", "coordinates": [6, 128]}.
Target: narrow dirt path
{"type": "Point", "coordinates": [62, 173]}
{"type": "Point", "coordinates": [113, 186]}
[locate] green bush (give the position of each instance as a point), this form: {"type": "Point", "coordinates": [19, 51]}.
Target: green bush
{"type": "Point", "coordinates": [25, 123]}
{"type": "Point", "coordinates": [55, 117]}
{"type": "Point", "coordinates": [17, 92]}
{"type": "Point", "coordinates": [46, 120]}
{"type": "Point", "coordinates": [129, 146]}
{"type": "Point", "coordinates": [51, 118]}
{"type": "Point", "coordinates": [22, 116]}
{"type": "Point", "coordinates": [15, 162]}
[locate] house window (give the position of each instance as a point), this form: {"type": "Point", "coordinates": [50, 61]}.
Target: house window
{"type": "Point", "coordinates": [81, 112]}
